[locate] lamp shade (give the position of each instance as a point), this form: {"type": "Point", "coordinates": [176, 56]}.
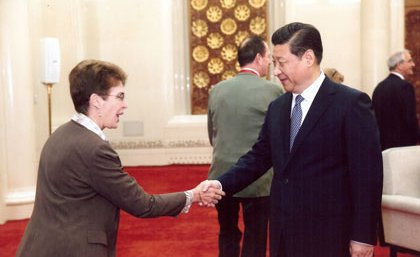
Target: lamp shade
{"type": "Point", "coordinates": [50, 60]}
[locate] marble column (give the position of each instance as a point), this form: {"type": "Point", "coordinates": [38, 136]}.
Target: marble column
{"type": "Point", "coordinates": [375, 45]}
{"type": "Point", "coordinates": [17, 124]}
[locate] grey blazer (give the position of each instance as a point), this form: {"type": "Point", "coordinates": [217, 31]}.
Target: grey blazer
{"type": "Point", "coordinates": [236, 112]}
{"type": "Point", "coordinates": [81, 188]}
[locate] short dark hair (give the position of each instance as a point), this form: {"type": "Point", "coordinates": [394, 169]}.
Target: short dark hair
{"type": "Point", "coordinates": [249, 49]}
{"type": "Point", "coordinates": [300, 37]}
{"type": "Point", "coordinates": [93, 76]}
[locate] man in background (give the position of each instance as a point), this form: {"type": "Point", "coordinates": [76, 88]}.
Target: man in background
{"type": "Point", "coordinates": [395, 104]}
{"type": "Point", "coordinates": [395, 109]}
{"type": "Point", "coordinates": [236, 111]}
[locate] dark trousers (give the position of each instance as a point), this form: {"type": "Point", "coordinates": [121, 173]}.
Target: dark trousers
{"type": "Point", "coordinates": [255, 212]}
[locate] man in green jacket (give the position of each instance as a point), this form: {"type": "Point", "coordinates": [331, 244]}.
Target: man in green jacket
{"type": "Point", "coordinates": [236, 112]}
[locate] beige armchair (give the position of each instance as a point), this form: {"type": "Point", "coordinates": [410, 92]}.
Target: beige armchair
{"type": "Point", "coordinates": [401, 199]}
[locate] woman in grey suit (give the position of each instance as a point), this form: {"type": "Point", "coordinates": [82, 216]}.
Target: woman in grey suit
{"type": "Point", "coordinates": [81, 185]}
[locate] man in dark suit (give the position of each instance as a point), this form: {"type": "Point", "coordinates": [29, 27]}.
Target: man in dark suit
{"type": "Point", "coordinates": [395, 104]}
{"type": "Point", "coordinates": [327, 184]}
{"type": "Point", "coordinates": [81, 185]}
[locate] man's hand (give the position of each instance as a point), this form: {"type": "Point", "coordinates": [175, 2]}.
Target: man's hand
{"type": "Point", "coordinates": [208, 193]}
{"type": "Point", "coordinates": [361, 250]}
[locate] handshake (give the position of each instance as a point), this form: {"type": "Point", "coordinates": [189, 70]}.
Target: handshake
{"type": "Point", "coordinates": [208, 193]}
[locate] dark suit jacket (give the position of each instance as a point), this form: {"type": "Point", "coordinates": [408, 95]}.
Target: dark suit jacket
{"type": "Point", "coordinates": [80, 189]}
{"type": "Point", "coordinates": [395, 108]}
{"type": "Point", "coordinates": [327, 190]}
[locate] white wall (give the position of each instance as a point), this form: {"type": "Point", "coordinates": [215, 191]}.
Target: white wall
{"type": "Point", "coordinates": [148, 40]}
{"type": "Point", "coordinates": [339, 24]}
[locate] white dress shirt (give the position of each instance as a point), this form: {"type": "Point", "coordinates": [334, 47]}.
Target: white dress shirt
{"type": "Point", "coordinates": [308, 96]}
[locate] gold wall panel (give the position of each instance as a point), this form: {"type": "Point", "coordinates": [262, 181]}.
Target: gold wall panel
{"type": "Point", "coordinates": [217, 27]}
{"type": "Point", "coordinates": [412, 42]}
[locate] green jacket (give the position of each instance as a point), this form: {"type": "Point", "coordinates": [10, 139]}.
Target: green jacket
{"type": "Point", "coordinates": [236, 112]}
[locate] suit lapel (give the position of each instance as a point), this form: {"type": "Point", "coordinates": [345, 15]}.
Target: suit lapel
{"type": "Point", "coordinates": [322, 100]}
{"type": "Point", "coordinates": [286, 108]}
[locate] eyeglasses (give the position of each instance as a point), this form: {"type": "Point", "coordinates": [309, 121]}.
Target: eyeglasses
{"type": "Point", "coordinates": [119, 96]}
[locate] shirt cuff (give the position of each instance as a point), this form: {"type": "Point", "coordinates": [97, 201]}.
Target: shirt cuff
{"type": "Point", "coordinates": [188, 202]}
{"type": "Point", "coordinates": [360, 243]}
{"type": "Point", "coordinates": [219, 184]}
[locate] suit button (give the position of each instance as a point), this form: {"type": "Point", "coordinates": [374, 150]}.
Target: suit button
{"type": "Point", "coordinates": [285, 181]}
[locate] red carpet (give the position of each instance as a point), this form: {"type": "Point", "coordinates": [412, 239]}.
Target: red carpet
{"type": "Point", "coordinates": [189, 235]}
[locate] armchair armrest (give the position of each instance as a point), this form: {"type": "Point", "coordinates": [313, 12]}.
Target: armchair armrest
{"type": "Point", "coordinates": [403, 203]}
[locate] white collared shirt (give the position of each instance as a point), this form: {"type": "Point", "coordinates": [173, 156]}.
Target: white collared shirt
{"type": "Point", "coordinates": [397, 74]}
{"type": "Point", "coordinates": [251, 70]}
{"type": "Point", "coordinates": [88, 123]}
{"type": "Point", "coordinates": [308, 96]}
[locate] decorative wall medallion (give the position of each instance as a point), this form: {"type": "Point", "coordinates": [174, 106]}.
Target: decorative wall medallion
{"type": "Point", "coordinates": [412, 42]}
{"type": "Point", "coordinates": [198, 4]}
{"type": "Point", "coordinates": [215, 66]}
{"type": "Point", "coordinates": [227, 4]}
{"type": "Point", "coordinates": [217, 29]}
{"type": "Point", "coordinates": [229, 53]}
{"type": "Point", "coordinates": [199, 28]}
{"type": "Point", "coordinates": [201, 79]}
{"type": "Point", "coordinates": [257, 25]}
{"type": "Point", "coordinates": [228, 74]}
{"type": "Point", "coordinates": [237, 66]}
{"type": "Point", "coordinates": [200, 53]}
{"type": "Point", "coordinates": [214, 14]}
{"type": "Point", "coordinates": [240, 36]}
{"type": "Point", "coordinates": [214, 40]}
{"type": "Point", "coordinates": [242, 12]}
{"type": "Point", "coordinates": [228, 26]}
{"type": "Point", "coordinates": [256, 3]}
